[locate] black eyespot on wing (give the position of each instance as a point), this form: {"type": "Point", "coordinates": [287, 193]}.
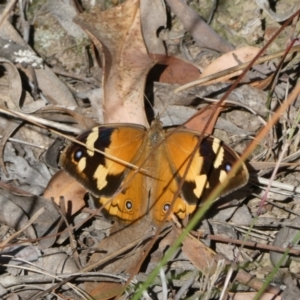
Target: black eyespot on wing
{"type": "Point", "coordinates": [128, 205]}
{"type": "Point", "coordinates": [166, 207]}
{"type": "Point", "coordinates": [78, 154]}
{"type": "Point", "coordinates": [227, 167]}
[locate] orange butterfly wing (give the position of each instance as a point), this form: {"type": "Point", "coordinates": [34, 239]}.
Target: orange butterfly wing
{"type": "Point", "coordinates": [209, 167]}
{"type": "Point", "coordinates": [119, 187]}
{"type": "Point", "coordinates": [164, 184]}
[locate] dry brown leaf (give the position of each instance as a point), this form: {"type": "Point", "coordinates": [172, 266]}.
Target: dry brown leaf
{"type": "Point", "coordinates": [153, 17]}
{"type": "Point", "coordinates": [173, 70]}
{"type": "Point", "coordinates": [202, 118]}
{"type": "Point", "coordinates": [229, 60]}
{"type": "Point", "coordinates": [129, 262]}
{"type": "Point", "coordinates": [61, 184]}
{"type": "Point", "coordinates": [107, 290]}
{"type": "Point", "coordinates": [126, 61]}
{"type": "Point", "coordinates": [199, 254]}
{"type": "Point", "coordinates": [263, 83]}
{"type": "Point", "coordinates": [58, 114]}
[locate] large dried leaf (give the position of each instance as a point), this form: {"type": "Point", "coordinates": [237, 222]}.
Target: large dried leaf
{"type": "Point", "coordinates": [153, 17]}
{"type": "Point", "coordinates": [129, 262]}
{"type": "Point", "coordinates": [62, 185]}
{"type": "Point", "coordinates": [173, 70]}
{"type": "Point", "coordinates": [126, 62]}
{"type": "Point", "coordinates": [199, 254]}
{"type": "Point", "coordinates": [207, 116]}
{"type": "Point", "coordinates": [229, 60]}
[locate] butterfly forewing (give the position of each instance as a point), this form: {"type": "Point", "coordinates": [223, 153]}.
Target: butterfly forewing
{"type": "Point", "coordinates": [211, 162]}
{"type": "Point", "coordinates": [165, 185]}
{"type": "Point", "coordinates": [100, 175]}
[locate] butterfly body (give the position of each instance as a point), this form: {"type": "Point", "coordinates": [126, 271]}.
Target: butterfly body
{"type": "Point", "coordinates": [156, 163]}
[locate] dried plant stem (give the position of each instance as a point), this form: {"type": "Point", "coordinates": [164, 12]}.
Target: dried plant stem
{"type": "Point", "coordinates": [6, 12]}
{"type": "Point", "coordinates": [29, 223]}
{"type": "Point", "coordinates": [239, 67]}
{"type": "Point", "coordinates": [263, 132]}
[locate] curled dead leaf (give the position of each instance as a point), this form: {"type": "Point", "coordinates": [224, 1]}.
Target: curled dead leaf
{"type": "Point", "coordinates": [228, 60]}
{"type": "Point", "coordinates": [62, 184]}
{"type": "Point", "coordinates": [126, 61]}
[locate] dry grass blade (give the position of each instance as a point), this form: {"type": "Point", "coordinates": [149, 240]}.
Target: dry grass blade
{"type": "Point", "coordinates": [6, 11]}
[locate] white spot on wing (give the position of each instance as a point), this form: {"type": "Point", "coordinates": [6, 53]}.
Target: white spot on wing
{"type": "Point", "coordinates": [90, 142]}
{"type": "Point", "coordinates": [201, 184]}
{"type": "Point", "coordinates": [81, 164]}
{"type": "Point", "coordinates": [219, 151]}
{"type": "Point", "coordinates": [100, 176]}
{"type": "Point", "coordinates": [223, 175]}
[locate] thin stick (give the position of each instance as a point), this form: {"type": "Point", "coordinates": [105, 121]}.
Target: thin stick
{"type": "Point", "coordinates": [6, 12]}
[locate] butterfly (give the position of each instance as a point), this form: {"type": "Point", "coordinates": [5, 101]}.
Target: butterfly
{"type": "Point", "coordinates": [140, 170]}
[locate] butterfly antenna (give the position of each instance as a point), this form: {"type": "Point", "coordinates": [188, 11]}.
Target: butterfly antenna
{"type": "Point", "coordinates": [149, 113]}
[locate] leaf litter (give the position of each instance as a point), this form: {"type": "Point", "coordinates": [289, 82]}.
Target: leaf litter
{"type": "Point", "coordinates": [94, 258]}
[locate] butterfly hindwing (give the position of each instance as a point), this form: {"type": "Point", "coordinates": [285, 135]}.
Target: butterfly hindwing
{"type": "Point", "coordinates": [124, 204]}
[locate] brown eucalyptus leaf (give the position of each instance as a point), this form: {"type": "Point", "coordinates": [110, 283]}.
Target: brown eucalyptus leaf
{"type": "Point", "coordinates": [173, 70]}
{"type": "Point", "coordinates": [126, 62]}
{"type": "Point", "coordinates": [62, 114]}
{"type": "Point", "coordinates": [153, 17]}
{"type": "Point", "coordinates": [61, 184]}
{"type": "Point", "coordinates": [208, 115]}
{"type": "Point", "coordinates": [229, 60]}
{"type": "Point", "coordinates": [199, 254]}
{"type": "Point", "coordinates": [112, 262]}
{"type": "Point", "coordinates": [107, 290]}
